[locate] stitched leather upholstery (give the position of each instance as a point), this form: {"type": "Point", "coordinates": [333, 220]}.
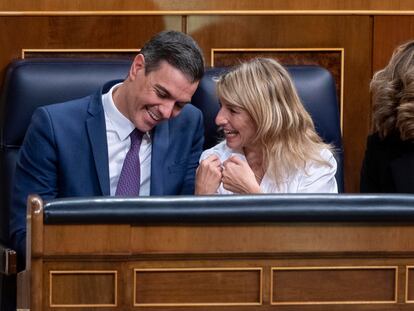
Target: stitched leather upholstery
{"type": "Point", "coordinates": [266, 208]}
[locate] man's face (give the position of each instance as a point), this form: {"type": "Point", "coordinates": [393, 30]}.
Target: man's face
{"type": "Point", "coordinates": [155, 97]}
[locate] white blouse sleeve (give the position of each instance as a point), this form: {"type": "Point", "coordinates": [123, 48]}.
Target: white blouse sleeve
{"type": "Point", "coordinates": [320, 178]}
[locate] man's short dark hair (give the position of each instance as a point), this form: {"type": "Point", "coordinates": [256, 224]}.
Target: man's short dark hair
{"type": "Point", "coordinates": [177, 49]}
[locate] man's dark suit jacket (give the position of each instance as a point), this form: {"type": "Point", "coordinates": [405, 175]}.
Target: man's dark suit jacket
{"type": "Point", "coordinates": [388, 165]}
{"type": "Point", "coordinates": [65, 154]}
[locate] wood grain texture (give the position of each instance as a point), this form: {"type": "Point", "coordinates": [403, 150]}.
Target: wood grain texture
{"type": "Point", "coordinates": [87, 288]}
{"type": "Point", "coordinates": [77, 32]}
{"type": "Point", "coordinates": [201, 286]}
{"type": "Point", "coordinates": [277, 238]}
{"type": "Point", "coordinates": [353, 33]}
{"type": "Point", "coordinates": [74, 5]}
{"type": "Point", "coordinates": [390, 32]}
{"type": "Point", "coordinates": [208, 261]}
{"type": "Point", "coordinates": [410, 284]}
{"type": "Point", "coordinates": [335, 285]}
{"type": "Point", "coordinates": [102, 239]}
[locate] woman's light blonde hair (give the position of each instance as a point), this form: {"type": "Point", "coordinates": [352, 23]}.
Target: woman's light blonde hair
{"type": "Point", "coordinates": [284, 129]}
{"type": "Point", "coordinates": [393, 95]}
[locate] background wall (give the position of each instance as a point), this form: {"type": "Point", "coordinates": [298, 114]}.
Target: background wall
{"type": "Point", "coordinates": [359, 37]}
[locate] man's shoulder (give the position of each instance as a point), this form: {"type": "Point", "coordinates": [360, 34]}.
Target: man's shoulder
{"type": "Point", "coordinates": [77, 103]}
{"type": "Point", "coordinates": [188, 116]}
{"type": "Point", "coordinates": [81, 103]}
{"type": "Point", "coordinates": [65, 114]}
{"type": "Point", "coordinates": [189, 109]}
{"type": "Point", "coordinates": [74, 108]}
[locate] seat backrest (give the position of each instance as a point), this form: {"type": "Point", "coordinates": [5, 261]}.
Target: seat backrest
{"type": "Point", "coordinates": [37, 82]}
{"type": "Point", "coordinates": [316, 88]}
{"type": "Point", "coordinates": [32, 83]}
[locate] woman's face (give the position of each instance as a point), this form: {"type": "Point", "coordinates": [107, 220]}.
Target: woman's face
{"type": "Point", "coordinates": [238, 126]}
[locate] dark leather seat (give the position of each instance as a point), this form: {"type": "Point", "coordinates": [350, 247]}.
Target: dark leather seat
{"type": "Point", "coordinates": [33, 83]}
{"type": "Point", "coordinates": [264, 208]}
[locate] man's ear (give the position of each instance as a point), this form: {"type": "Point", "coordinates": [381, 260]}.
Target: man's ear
{"type": "Point", "coordinates": [137, 65]}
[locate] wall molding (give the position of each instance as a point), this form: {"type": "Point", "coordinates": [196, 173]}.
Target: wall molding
{"type": "Point", "coordinates": [206, 12]}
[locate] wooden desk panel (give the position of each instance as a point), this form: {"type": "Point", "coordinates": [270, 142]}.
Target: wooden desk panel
{"type": "Point", "coordinates": [272, 266]}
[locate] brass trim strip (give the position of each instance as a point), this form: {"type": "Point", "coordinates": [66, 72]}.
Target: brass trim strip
{"type": "Point", "coordinates": [24, 51]}
{"type": "Point", "coordinates": [260, 302]}
{"type": "Point", "coordinates": [342, 78]}
{"type": "Point", "coordinates": [335, 302]}
{"type": "Point", "coordinates": [114, 272]}
{"type": "Point", "coordinates": [204, 12]}
{"type": "Point", "coordinates": [406, 284]}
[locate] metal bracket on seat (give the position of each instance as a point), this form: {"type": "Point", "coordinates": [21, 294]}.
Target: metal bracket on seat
{"type": "Point", "coordinates": [8, 262]}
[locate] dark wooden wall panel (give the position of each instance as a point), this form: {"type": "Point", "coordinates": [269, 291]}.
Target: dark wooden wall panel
{"type": "Point", "coordinates": [353, 33]}
{"type": "Point", "coordinates": [77, 32]}
{"type": "Point", "coordinates": [390, 32]}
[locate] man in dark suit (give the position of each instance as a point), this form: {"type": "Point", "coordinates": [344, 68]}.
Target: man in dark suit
{"type": "Point", "coordinates": [86, 147]}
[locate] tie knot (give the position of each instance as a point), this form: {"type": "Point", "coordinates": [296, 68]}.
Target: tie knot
{"type": "Point", "coordinates": [136, 136]}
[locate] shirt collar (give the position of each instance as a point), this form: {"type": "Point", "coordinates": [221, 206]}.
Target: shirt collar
{"type": "Point", "coordinates": [119, 123]}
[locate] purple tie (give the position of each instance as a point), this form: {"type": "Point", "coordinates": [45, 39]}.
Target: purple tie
{"type": "Point", "coordinates": [129, 180]}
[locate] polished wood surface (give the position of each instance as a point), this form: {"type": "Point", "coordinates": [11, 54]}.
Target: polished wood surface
{"type": "Point", "coordinates": [282, 266]}
{"type": "Point", "coordinates": [74, 5]}
{"type": "Point", "coordinates": [202, 286]}
{"type": "Point", "coordinates": [234, 239]}
{"type": "Point", "coordinates": [83, 288]}
{"type": "Point", "coordinates": [396, 30]}
{"type": "Point", "coordinates": [334, 285]}
{"type": "Point", "coordinates": [77, 32]}
{"type": "Point", "coordinates": [410, 284]}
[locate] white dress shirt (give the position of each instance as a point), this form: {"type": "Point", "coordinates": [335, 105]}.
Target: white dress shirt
{"type": "Point", "coordinates": [315, 178]}
{"type": "Point", "coordinates": [118, 128]}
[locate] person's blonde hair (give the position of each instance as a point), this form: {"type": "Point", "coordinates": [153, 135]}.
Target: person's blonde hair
{"type": "Point", "coordinates": [393, 95]}
{"type": "Point", "coordinates": [284, 129]}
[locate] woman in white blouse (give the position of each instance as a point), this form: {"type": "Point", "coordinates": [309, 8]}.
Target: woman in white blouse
{"type": "Point", "coordinates": [270, 145]}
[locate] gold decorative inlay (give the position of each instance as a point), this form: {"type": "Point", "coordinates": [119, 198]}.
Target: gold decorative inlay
{"type": "Point", "coordinates": [26, 51]}
{"type": "Point", "coordinates": [407, 285]}
{"type": "Point", "coordinates": [395, 268]}
{"type": "Point", "coordinates": [258, 303]}
{"type": "Point", "coordinates": [55, 305]}
{"type": "Point", "coordinates": [205, 12]}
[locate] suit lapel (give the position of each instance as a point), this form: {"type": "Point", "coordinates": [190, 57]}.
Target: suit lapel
{"type": "Point", "coordinates": [160, 145]}
{"type": "Point", "coordinates": [97, 137]}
